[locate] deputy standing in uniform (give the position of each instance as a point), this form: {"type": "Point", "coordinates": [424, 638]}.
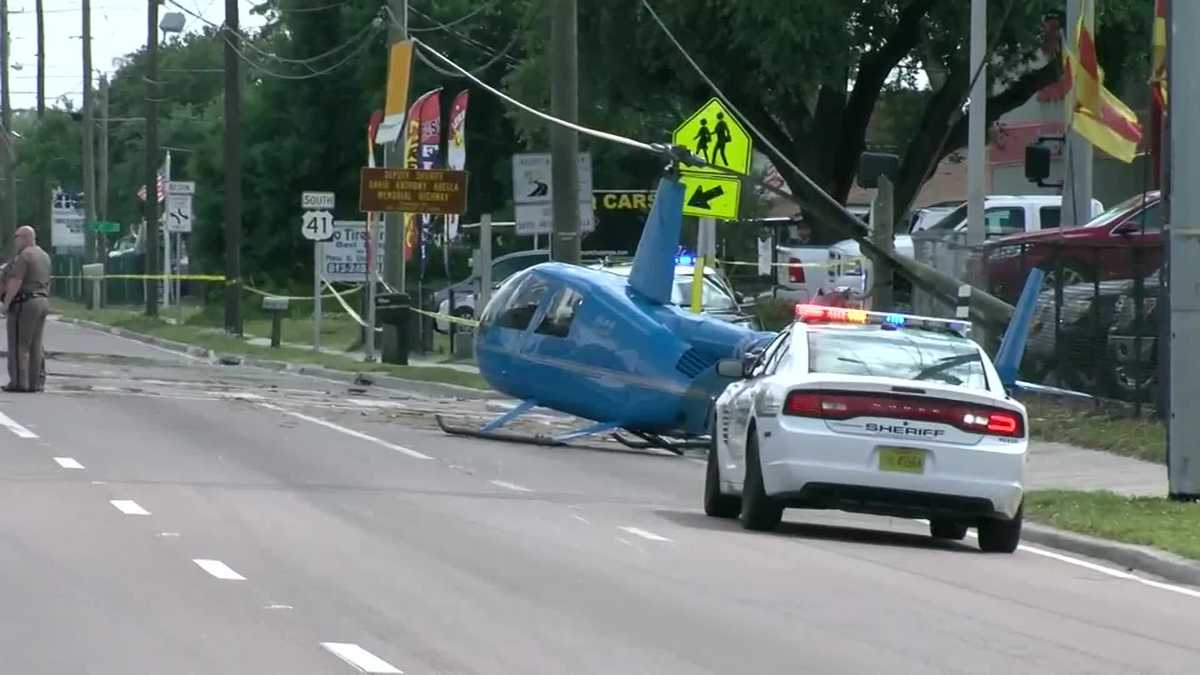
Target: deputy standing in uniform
{"type": "Point", "coordinates": [25, 299]}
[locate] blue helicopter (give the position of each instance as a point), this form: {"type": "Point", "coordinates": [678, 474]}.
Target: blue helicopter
{"type": "Point", "coordinates": [616, 350]}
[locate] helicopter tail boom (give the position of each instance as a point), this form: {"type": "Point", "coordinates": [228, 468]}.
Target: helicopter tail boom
{"type": "Point", "coordinates": [653, 270]}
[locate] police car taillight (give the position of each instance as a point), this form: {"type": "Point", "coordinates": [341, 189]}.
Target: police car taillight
{"type": "Point", "coordinates": [849, 405]}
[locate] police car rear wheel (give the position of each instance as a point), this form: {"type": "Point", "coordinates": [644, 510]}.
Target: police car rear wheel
{"type": "Point", "coordinates": [759, 512]}
{"type": "Point", "coordinates": [947, 529]}
{"type": "Point", "coordinates": [1001, 536]}
{"type": "Point", "coordinates": [716, 504]}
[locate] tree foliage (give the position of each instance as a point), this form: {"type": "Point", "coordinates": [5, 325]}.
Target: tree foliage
{"type": "Point", "coordinates": [820, 78]}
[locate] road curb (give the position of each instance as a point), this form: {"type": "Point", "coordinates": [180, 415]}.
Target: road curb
{"type": "Point", "coordinates": [1129, 556]}
{"type": "Point", "coordinates": [421, 387]}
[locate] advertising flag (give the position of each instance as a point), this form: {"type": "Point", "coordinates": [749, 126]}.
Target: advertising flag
{"type": "Point", "coordinates": [412, 142]}
{"type": "Point", "coordinates": [430, 158]}
{"type": "Point", "coordinates": [456, 150]}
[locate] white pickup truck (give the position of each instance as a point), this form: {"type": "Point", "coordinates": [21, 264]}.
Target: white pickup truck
{"type": "Point", "coordinates": [1003, 215]}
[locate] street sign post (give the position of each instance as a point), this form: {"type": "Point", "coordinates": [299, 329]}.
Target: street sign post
{"type": "Point", "coordinates": [714, 134]}
{"type": "Point", "coordinates": [316, 225]}
{"type": "Point", "coordinates": [105, 227]}
{"type": "Point", "coordinates": [432, 191]}
{"type": "Point", "coordinates": [533, 195]}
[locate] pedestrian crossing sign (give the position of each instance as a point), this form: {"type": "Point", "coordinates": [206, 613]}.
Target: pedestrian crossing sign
{"type": "Point", "coordinates": [716, 135]}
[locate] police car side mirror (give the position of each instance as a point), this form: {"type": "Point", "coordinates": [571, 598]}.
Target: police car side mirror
{"type": "Point", "coordinates": [731, 368]}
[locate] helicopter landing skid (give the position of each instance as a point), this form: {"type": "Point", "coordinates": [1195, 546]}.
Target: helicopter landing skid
{"type": "Point", "coordinates": [473, 432]}
{"type": "Point", "coordinates": [656, 441]}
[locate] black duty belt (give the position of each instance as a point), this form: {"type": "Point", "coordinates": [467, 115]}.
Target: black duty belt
{"type": "Point", "coordinates": [25, 296]}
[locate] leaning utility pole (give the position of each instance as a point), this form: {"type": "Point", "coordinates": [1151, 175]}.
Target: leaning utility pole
{"type": "Point", "coordinates": [394, 236]}
{"type": "Point", "coordinates": [89, 141]}
{"type": "Point", "coordinates": [1183, 421]}
{"type": "Point", "coordinates": [233, 173]}
{"type": "Point", "coordinates": [151, 207]}
{"type": "Point", "coordinates": [102, 162]}
{"type": "Point", "coordinates": [564, 143]}
{"type": "Point", "coordinates": [8, 222]}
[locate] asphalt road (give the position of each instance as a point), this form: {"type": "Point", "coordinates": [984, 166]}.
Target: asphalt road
{"type": "Point", "coordinates": [160, 514]}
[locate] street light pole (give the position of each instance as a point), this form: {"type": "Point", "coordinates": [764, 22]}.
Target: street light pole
{"type": "Point", "coordinates": [233, 172]}
{"type": "Point", "coordinates": [8, 223]}
{"type": "Point", "coordinates": [977, 125]}
{"type": "Point", "coordinates": [89, 141]}
{"type": "Point", "coordinates": [151, 206]}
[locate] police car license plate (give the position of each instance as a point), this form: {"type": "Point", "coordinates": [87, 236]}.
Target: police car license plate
{"type": "Point", "coordinates": [902, 460]}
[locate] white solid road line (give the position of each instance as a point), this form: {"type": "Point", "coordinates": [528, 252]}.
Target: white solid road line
{"type": "Point", "coordinates": [218, 569]}
{"type": "Point", "coordinates": [639, 532]}
{"type": "Point", "coordinates": [129, 507]}
{"type": "Point", "coordinates": [363, 660]}
{"type": "Point", "coordinates": [509, 486]}
{"type": "Point", "coordinates": [68, 463]}
{"type": "Point", "coordinates": [11, 424]}
{"type": "Point", "coordinates": [1109, 571]}
{"type": "Point", "coordinates": [349, 432]}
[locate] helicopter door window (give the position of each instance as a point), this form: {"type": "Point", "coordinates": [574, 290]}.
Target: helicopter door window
{"type": "Point", "coordinates": [560, 314]}
{"type": "Point", "coordinates": [519, 311]}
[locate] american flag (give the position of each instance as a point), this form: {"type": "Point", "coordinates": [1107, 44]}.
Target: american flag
{"type": "Point", "coordinates": [162, 189]}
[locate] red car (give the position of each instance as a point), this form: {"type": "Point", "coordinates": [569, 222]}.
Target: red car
{"type": "Point", "coordinates": [1124, 242]}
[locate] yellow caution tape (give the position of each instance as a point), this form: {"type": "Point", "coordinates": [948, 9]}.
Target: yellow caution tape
{"type": "Point", "coordinates": [811, 265]}
{"type": "Point", "coordinates": [448, 317]}
{"type": "Point", "coordinates": [147, 277]}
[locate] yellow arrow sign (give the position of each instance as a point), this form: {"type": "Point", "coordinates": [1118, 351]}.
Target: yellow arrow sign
{"type": "Point", "coordinates": [712, 133]}
{"type": "Point", "coordinates": [708, 196]}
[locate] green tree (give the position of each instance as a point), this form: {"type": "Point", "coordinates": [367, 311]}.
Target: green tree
{"type": "Point", "coordinates": [810, 74]}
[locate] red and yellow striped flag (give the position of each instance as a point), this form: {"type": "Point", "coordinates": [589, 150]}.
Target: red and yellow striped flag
{"type": "Point", "coordinates": [1096, 114]}
{"type": "Point", "coordinates": [1158, 55]}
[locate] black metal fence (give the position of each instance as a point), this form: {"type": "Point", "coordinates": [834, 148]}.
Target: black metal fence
{"type": "Point", "coordinates": [1096, 324]}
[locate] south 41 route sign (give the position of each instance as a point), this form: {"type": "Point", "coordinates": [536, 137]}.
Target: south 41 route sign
{"type": "Point", "coordinates": [316, 225]}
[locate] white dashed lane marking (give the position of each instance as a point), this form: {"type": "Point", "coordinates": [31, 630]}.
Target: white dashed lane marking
{"type": "Point", "coordinates": [363, 660]}
{"type": "Point", "coordinates": [509, 486]}
{"type": "Point", "coordinates": [128, 507]}
{"type": "Point", "coordinates": [644, 534]}
{"type": "Point", "coordinates": [11, 424]}
{"type": "Point", "coordinates": [349, 432]}
{"type": "Point", "coordinates": [218, 569]}
{"type": "Point", "coordinates": [68, 463]}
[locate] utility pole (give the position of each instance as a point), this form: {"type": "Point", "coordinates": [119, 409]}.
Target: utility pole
{"type": "Point", "coordinates": [1077, 186]}
{"type": "Point", "coordinates": [394, 268]}
{"type": "Point", "coordinates": [977, 127]}
{"type": "Point", "coordinates": [89, 141]}
{"type": "Point", "coordinates": [9, 159]}
{"type": "Point", "coordinates": [564, 143]}
{"type": "Point", "coordinates": [102, 163]}
{"type": "Point", "coordinates": [151, 207]}
{"type": "Point", "coordinates": [233, 172]}
{"type": "Point", "coordinates": [43, 198]}
{"type": "Point", "coordinates": [1183, 422]}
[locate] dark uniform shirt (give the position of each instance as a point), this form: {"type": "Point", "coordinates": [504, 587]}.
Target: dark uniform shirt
{"type": "Point", "coordinates": [33, 266]}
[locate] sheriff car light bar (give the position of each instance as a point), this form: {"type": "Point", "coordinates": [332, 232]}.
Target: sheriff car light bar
{"type": "Point", "coordinates": [821, 314]}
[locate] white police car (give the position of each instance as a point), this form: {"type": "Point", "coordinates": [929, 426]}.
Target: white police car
{"type": "Point", "coordinates": [884, 414]}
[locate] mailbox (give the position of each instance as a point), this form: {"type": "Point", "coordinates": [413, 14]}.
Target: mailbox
{"type": "Point", "coordinates": [392, 309]}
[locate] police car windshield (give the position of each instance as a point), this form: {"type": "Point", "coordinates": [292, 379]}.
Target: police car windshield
{"type": "Point", "coordinates": [905, 354]}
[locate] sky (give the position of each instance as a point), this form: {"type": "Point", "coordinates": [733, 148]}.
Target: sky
{"type": "Point", "coordinates": [118, 28]}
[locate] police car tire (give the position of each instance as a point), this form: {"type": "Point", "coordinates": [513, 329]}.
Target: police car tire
{"type": "Point", "coordinates": [1001, 536]}
{"type": "Point", "coordinates": [947, 529]}
{"type": "Point", "coordinates": [716, 504]}
{"type": "Point", "coordinates": [759, 512]}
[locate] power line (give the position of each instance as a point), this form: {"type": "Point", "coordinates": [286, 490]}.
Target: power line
{"type": "Point", "coordinates": [475, 71]}
{"type": "Point", "coordinates": [490, 51]}
{"type": "Point", "coordinates": [285, 76]}
{"type": "Point", "coordinates": [602, 135]}
{"type": "Point", "coordinates": [446, 26]}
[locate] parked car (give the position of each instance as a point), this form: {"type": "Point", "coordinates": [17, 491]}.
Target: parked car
{"type": "Point", "coordinates": [1121, 243]}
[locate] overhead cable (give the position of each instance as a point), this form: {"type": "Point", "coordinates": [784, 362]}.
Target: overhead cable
{"type": "Point", "coordinates": [603, 135]}
{"type": "Point", "coordinates": [475, 71]}
{"type": "Point", "coordinates": [446, 26]}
